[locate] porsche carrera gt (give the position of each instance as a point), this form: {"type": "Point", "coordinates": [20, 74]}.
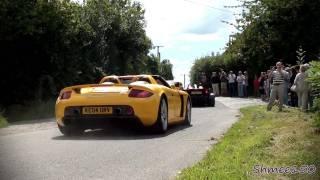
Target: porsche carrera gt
{"type": "Point", "coordinates": [146, 99]}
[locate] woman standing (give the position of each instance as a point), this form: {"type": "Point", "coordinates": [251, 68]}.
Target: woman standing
{"type": "Point", "coordinates": [241, 83]}
{"type": "Point", "coordinates": [256, 86]}
{"type": "Point", "coordinates": [224, 81]}
{"type": "Point", "coordinates": [302, 88]}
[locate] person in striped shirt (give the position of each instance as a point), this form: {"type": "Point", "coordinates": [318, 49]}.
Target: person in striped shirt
{"type": "Point", "coordinates": [278, 78]}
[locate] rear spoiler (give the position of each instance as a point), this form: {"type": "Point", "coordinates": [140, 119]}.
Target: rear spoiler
{"type": "Point", "coordinates": [77, 88]}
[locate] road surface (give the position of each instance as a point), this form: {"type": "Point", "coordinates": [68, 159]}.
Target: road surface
{"type": "Point", "coordinates": [37, 150]}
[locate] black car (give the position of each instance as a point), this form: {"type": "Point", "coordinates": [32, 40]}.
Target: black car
{"type": "Point", "coordinates": [201, 97]}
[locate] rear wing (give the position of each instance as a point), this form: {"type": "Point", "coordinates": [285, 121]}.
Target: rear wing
{"type": "Point", "coordinates": [77, 88]}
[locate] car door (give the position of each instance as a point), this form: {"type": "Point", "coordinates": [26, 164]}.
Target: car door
{"type": "Point", "coordinates": [176, 103]}
{"type": "Point", "coordinates": [173, 98]}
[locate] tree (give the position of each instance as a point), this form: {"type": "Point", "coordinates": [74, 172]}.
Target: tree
{"type": "Point", "coordinates": [153, 65]}
{"type": "Point", "coordinates": [270, 31]}
{"type": "Point", "coordinates": [47, 45]}
{"type": "Point", "coordinates": [120, 41]}
{"type": "Point", "coordinates": [166, 69]}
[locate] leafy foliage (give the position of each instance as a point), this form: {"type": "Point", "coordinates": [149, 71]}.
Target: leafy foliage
{"type": "Point", "coordinates": [47, 45]}
{"type": "Point", "coordinates": [269, 31]}
{"type": "Point", "coordinates": [314, 80]}
{"type": "Point", "coordinates": [166, 69]}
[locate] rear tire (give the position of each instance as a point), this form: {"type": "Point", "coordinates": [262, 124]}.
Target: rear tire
{"type": "Point", "coordinates": [161, 125]}
{"type": "Point", "coordinates": [187, 119]}
{"type": "Point", "coordinates": [212, 102]}
{"type": "Point", "coordinates": [70, 130]}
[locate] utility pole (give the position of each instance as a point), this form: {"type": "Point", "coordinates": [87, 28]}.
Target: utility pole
{"type": "Point", "coordinates": [158, 53]}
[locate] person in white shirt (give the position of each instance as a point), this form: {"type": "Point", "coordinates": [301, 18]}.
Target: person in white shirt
{"type": "Point", "coordinates": [241, 83]}
{"type": "Point", "coordinates": [232, 84]}
{"type": "Point", "coordinates": [302, 88]}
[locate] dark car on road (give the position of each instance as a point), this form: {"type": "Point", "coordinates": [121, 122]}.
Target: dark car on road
{"type": "Point", "coordinates": [201, 96]}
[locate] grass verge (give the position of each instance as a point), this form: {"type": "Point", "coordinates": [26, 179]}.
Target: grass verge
{"type": "Point", "coordinates": [3, 121]}
{"type": "Point", "coordinates": [30, 111]}
{"type": "Point", "coordinates": [262, 139]}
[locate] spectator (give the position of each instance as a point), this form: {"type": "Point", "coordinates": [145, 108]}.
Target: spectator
{"type": "Point", "coordinates": [203, 78]}
{"type": "Point", "coordinates": [310, 96]}
{"type": "Point", "coordinates": [232, 84]}
{"type": "Point", "coordinates": [279, 76]}
{"type": "Point", "coordinates": [224, 81]}
{"type": "Point", "coordinates": [256, 86]}
{"type": "Point", "coordinates": [241, 82]}
{"type": "Point", "coordinates": [246, 84]}
{"type": "Point", "coordinates": [302, 88]}
{"type": "Point", "coordinates": [268, 83]}
{"type": "Point", "coordinates": [286, 86]}
{"type": "Point", "coordinates": [293, 95]}
{"type": "Point", "coordinates": [215, 80]}
{"type": "Point", "coordinates": [262, 85]}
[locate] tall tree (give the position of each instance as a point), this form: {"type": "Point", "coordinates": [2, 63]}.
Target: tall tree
{"type": "Point", "coordinates": [166, 69]}
{"type": "Point", "coordinates": [47, 45]}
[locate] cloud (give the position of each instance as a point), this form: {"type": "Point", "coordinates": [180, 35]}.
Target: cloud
{"type": "Point", "coordinates": [187, 29]}
{"type": "Point", "coordinates": [209, 24]}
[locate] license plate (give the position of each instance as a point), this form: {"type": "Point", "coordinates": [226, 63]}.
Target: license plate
{"type": "Point", "coordinates": [196, 92]}
{"type": "Point", "coordinates": [97, 110]}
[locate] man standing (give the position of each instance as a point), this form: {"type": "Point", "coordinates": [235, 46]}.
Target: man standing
{"type": "Point", "coordinates": [278, 78]}
{"type": "Point", "coordinates": [203, 79]}
{"type": "Point", "coordinates": [224, 81]}
{"type": "Point", "coordinates": [215, 80]}
{"type": "Point", "coordinates": [232, 83]}
{"type": "Point", "coordinates": [240, 81]}
{"type": "Point", "coordinates": [246, 84]}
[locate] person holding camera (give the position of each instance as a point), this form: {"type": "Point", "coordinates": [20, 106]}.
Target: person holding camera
{"type": "Point", "coordinates": [278, 78]}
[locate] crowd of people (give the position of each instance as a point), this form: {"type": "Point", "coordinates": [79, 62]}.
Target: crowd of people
{"type": "Point", "coordinates": [287, 85]}
{"type": "Point", "coordinates": [223, 84]}
{"type": "Point", "coordinates": [279, 84]}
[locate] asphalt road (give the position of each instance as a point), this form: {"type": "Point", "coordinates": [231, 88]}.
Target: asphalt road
{"type": "Point", "coordinates": [38, 150]}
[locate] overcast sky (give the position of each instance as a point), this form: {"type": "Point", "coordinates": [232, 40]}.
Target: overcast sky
{"type": "Point", "coordinates": [188, 29]}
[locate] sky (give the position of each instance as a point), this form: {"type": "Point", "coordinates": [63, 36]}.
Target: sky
{"type": "Point", "coordinates": [188, 29]}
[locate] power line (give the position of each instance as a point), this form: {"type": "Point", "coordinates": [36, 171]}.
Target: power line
{"type": "Point", "coordinates": [209, 6]}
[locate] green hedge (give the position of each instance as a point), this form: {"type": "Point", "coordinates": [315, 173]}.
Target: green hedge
{"type": "Point", "coordinates": [3, 121]}
{"type": "Point", "coordinates": [314, 79]}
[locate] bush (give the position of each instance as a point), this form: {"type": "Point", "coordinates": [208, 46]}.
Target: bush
{"type": "Point", "coordinates": [32, 110]}
{"type": "Point", "coordinates": [3, 121]}
{"type": "Point", "coordinates": [316, 106]}
{"type": "Point", "coordinates": [314, 80]}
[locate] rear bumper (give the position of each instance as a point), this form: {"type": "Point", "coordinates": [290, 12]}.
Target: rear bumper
{"type": "Point", "coordinates": [202, 100]}
{"type": "Point", "coordinates": [87, 122]}
{"type": "Point", "coordinates": [144, 110]}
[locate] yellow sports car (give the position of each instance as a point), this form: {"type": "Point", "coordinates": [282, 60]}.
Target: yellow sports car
{"type": "Point", "coordinates": [147, 99]}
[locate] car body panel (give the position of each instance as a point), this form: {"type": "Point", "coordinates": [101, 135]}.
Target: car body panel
{"type": "Point", "coordinates": [117, 94]}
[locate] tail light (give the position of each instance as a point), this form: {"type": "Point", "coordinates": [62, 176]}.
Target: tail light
{"type": "Point", "coordinates": [129, 111]}
{"type": "Point", "coordinates": [65, 95]}
{"type": "Point", "coordinates": [206, 91]}
{"type": "Point", "coordinates": [140, 93]}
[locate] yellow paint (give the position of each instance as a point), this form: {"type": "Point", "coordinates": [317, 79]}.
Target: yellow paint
{"type": "Point", "coordinates": [146, 109]}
